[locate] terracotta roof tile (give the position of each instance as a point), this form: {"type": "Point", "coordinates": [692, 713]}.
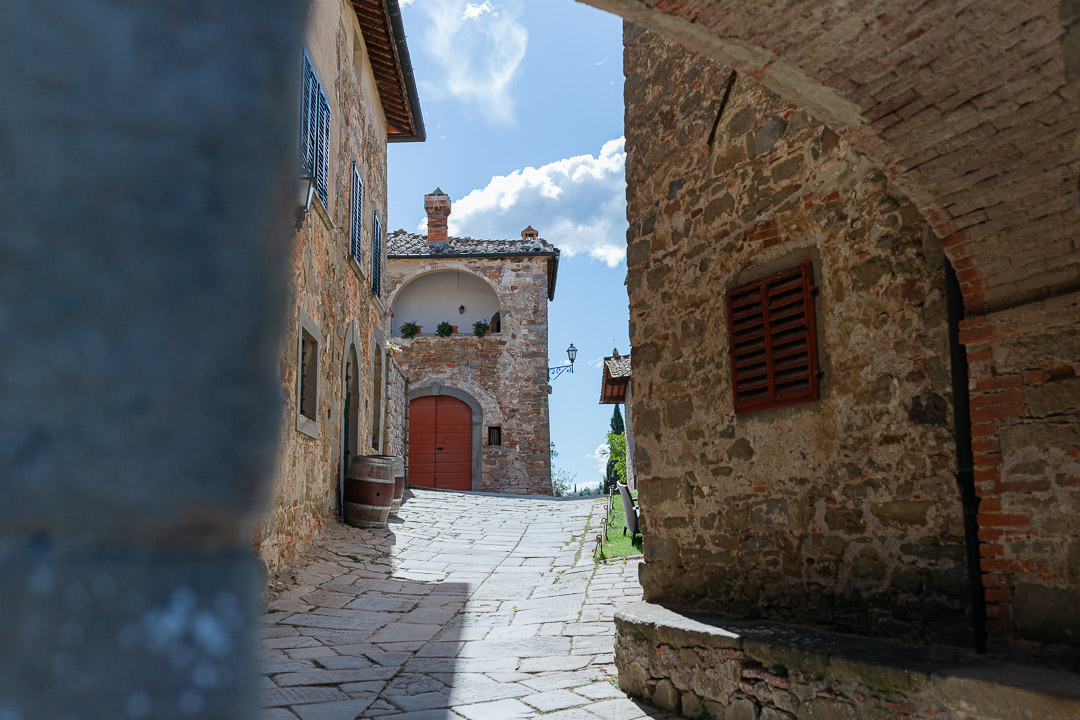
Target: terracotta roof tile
{"type": "Point", "coordinates": [400, 242]}
{"type": "Point", "coordinates": [619, 367]}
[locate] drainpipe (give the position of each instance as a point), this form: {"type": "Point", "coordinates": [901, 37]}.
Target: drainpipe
{"type": "Point", "coordinates": [965, 472]}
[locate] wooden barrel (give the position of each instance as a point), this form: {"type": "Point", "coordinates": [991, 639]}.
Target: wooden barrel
{"type": "Point", "coordinates": [399, 485]}
{"type": "Point", "coordinates": [369, 491]}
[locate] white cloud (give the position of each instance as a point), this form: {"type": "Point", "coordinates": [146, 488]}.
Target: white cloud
{"type": "Point", "coordinates": [478, 48]}
{"type": "Point", "coordinates": [599, 458]}
{"type": "Point", "coordinates": [406, 3]}
{"type": "Point", "coordinates": [578, 204]}
{"type": "Point", "coordinates": [597, 363]}
{"type": "Point", "coordinates": [473, 11]}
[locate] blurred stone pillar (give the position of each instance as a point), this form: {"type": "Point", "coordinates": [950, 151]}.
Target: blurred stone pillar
{"type": "Point", "coordinates": [147, 165]}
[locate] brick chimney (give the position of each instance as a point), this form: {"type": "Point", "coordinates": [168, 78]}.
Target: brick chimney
{"type": "Point", "coordinates": [530, 233]}
{"type": "Point", "coordinates": [437, 205]}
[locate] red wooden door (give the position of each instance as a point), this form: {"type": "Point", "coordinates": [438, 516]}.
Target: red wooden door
{"type": "Point", "coordinates": [440, 443]}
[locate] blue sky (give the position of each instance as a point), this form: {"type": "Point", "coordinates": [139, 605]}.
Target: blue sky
{"type": "Point", "coordinates": [523, 105]}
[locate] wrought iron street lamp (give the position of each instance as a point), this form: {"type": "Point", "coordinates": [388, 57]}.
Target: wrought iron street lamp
{"type": "Point", "coordinates": [554, 372]}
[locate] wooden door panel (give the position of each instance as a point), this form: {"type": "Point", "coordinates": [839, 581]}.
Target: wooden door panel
{"type": "Point", "coordinates": [422, 415]}
{"type": "Point", "coordinates": [440, 443]}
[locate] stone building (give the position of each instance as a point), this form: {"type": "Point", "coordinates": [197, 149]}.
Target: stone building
{"type": "Point", "coordinates": [824, 437]}
{"type": "Point", "coordinates": [478, 406]}
{"type": "Point", "coordinates": [617, 388]}
{"type": "Point", "coordinates": [343, 392]}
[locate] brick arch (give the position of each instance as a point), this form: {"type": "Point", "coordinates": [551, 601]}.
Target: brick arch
{"type": "Point", "coordinates": [966, 108]}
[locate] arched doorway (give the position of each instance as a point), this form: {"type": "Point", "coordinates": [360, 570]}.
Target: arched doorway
{"type": "Point", "coordinates": [440, 443]}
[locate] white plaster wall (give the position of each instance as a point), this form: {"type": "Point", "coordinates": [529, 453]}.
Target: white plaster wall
{"type": "Point", "coordinates": [432, 298]}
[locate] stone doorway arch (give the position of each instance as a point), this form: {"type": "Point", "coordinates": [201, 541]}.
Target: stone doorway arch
{"type": "Point", "coordinates": [438, 387]}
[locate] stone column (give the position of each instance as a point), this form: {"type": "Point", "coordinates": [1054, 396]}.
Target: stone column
{"type": "Point", "coordinates": [148, 159]}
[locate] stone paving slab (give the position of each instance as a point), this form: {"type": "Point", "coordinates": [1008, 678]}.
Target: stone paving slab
{"type": "Point", "coordinates": [471, 607]}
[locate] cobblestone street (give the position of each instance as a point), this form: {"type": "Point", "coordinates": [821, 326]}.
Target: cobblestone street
{"type": "Point", "coordinates": [472, 606]}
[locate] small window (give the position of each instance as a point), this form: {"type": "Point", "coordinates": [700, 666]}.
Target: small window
{"type": "Point", "coordinates": [356, 211]}
{"type": "Point", "coordinates": [376, 257]}
{"type": "Point", "coordinates": [773, 341]}
{"type": "Point", "coordinates": [309, 375]}
{"type": "Point", "coordinates": [494, 435]}
{"type": "Point", "coordinates": [496, 322]}
{"type": "Point", "coordinates": [315, 130]}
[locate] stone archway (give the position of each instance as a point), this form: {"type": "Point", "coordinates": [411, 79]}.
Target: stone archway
{"type": "Point", "coordinates": [966, 109]}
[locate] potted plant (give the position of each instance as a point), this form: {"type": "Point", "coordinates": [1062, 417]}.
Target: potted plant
{"type": "Point", "coordinates": [445, 329]}
{"type": "Point", "coordinates": [481, 328]}
{"type": "Point", "coordinates": [409, 330]}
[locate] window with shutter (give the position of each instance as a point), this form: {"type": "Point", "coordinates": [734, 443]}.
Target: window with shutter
{"type": "Point", "coordinates": [315, 131]}
{"type": "Point", "coordinates": [376, 257]}
{"type": "Point", "coordinates": [773, 341]}
{"type": "Point", "coordinates": [308, 112]}
{"type": "Point", "coordinates": [356, 207]}
{"type": "Point", "coordinates": [322, 158]}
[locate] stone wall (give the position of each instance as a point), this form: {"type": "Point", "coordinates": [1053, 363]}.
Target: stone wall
{"type": "Point", "coordinates": [1025, 411]}
{"type": "Point", "coordinates": [397, 409]}
{"type": "Point", "coordinates": [725, 669]}
{"type": "Point", "coordinates": [505, 372]}
{"type": "Point", "coordinates": [332, 289]}
{"type": "Point", "coordinates": [843, 510]}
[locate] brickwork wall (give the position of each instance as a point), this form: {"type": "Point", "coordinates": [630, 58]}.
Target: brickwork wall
{"type": "Point", "coordinates": [1024, 367]}
{"type": "Point", "coordinates": [966, 108]}
{"type": "Point", "coordinates": [332, 289]}
{"type": "Point", "coordinates": [843, 510]}
{"type": "Point", "coordinates": [505, 372]}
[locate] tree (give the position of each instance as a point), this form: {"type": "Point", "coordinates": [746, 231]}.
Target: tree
{"type": "Point", "coordinates": [617, 425]}
{"type": "Point", "coordinates": [561, 479]}
{"type": "Point", "coordinates": [616, 441]}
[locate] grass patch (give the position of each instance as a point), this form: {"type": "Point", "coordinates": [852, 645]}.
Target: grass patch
{"type": "Point", "coordinates": [615, 543]}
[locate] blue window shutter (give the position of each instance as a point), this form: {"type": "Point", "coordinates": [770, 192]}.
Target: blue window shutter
{"type": "Point", "coordinates": [376, 257]}
{"type": "Point", "coordinates": [357, 207]}
{"type": "Point", "coordinates": [322, 156]}
{"type": "Point", "coordinates": [307, 118]}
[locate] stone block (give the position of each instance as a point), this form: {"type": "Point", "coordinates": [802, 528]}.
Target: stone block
{"type": "Point", "coordinates": [1047, 614]}
{"type": "Point", "coordinates": [825, 709]}
{"type": "Point", "coordinates": [738, 709]}
{"type": "Point", "coordinates": [691, 705]}
{"type": "Point", "coordinates": [1054, 398]}
{"type": "Point", "coordinates": [666, 696]}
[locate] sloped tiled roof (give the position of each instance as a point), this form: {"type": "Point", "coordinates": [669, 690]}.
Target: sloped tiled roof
{"type": "Point", "coordinates": [402, 243]}
{"type": "Point", "coordinates": [615, 380]}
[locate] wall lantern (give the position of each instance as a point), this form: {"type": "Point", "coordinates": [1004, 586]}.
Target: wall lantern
{"type": "Point", "coordinates": [554, 372]}
{"type": "Point", "coordinates": [306, 188]}
{"type": "Point", "coordinates": [461, 309]}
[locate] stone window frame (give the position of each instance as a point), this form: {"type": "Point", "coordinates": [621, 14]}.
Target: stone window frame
{"type": "Point", "coordinates": [306, 326]}
{"type": "Point", "coordinates": [811, 326]}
